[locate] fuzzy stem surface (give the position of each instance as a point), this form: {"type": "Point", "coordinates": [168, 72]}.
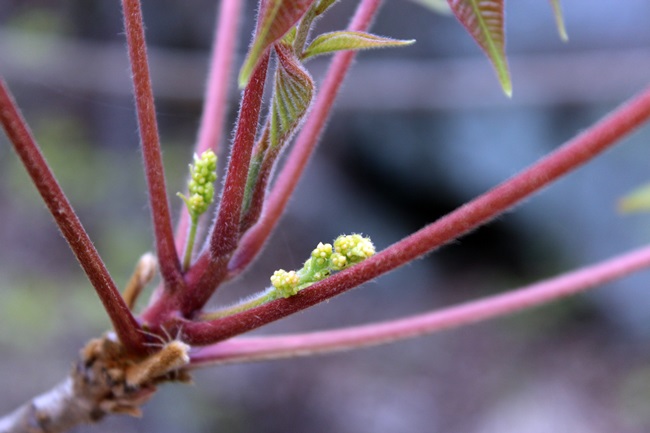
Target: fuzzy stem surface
{"type": "Point", "coordinates": [170, 266]}
{"type": "Point", "coordinates": [517, 300]}
{"type": "Point", "coordinates": [126, 326]}
{"type": "Point", "coordinates": [214, 105]}
{"type": "Point", "coordinates": [253, 240]}
{"type": "Point", "coordinates": [209, 270]}
{"type": "Point", "coordinates": [473, 214]}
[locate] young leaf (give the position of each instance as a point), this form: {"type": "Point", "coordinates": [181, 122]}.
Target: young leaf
{"type": "Point", "coordinates": [276, 18]}
{"type": "Point", "coordinates": [293, 92]}
{"type": "Point", "coordinates": [559, 20]}
{"type": "Point", "coordinates": [483, 19]}
{"type": "Point", "coordinates": [346, 40]}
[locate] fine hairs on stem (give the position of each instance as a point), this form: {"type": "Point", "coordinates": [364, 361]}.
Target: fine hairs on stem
{"type": "Point", "coordinates": [119, 371]}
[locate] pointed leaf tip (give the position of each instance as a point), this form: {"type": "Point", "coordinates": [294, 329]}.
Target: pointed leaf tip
{"type": "Point", "coordinates": [348, 40]}
{"type": "Point", "coordinates": [483, 19]}
{"type": "Point", "coordinates": [507, 88]}
{"type": "Point", "coordinates": [559, 20]}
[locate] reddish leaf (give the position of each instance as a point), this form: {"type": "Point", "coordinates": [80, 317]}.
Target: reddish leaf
{"type": "Point", "coordinates": [276, 18]}
{"type": "Point", "coordinates": [483, 19]}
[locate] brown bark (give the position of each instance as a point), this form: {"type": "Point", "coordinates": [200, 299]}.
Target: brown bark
{"type": "Point", "coordinates": [105, 380]}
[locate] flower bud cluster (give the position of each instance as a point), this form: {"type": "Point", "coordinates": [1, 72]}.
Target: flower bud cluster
{"type": "Point", "coordinates": [203, 173]}
{"type": "Point", "coordinates": [325, 258]}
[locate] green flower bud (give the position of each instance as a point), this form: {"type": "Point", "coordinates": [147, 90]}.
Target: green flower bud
{"type": "Point", "coordinates": [355, 248]}
{"type": "Point", "coordinates": [338, 261]}
{"type": "Point", "coordinates": [325, 258]}
{"type": "Point", "coordinates": [203, 173]}
{"type": "Point", "coordinates": [286, 283]}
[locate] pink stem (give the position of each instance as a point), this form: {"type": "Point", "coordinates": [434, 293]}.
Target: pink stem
{"type": "Point", "coordinates": [284, 346]}
{"type": "Point", "coordinates": [479, 211]}
{"type": "Point", "coordinates": [170, 266]}
{"type": "Point", "coordinates": [126, 327]}
{"type": "Point", "coordinates": [215, 103]}
{"type": "Point", "coordinates": [254, 239]}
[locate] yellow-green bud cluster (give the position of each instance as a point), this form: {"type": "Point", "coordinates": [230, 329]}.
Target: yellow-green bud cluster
{"type": "Point", "coordinates": [286, 283]}
{"type": "Point", "coordinates": [325, 258]}
{"type": "Point", "coordinates": [351, 249]}
{"type": "Point", "coordinates": [203, 173]}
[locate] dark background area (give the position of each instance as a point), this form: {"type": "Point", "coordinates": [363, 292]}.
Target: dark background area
{"type": "Point", "coordinates": [416, 133]}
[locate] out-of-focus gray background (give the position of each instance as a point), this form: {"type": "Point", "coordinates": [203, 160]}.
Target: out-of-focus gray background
{"type": "Point", "coordinates": [417, 132]}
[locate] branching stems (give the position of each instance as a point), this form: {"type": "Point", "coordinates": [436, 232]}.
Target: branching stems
{"type": "Point", "coordinates": [253, 241]}
{"type": "Point", "coordinates": [284, 346]}
{"type": "Point", "coordinates": [209, 269]}
{"type": "Point", "coordinates": [602, 135]}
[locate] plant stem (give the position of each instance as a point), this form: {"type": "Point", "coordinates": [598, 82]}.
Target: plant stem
{"type": "Point", "coordinates": [284, 346]}
{"type": "Point", "coordinates": [189, 247]}
{"type": "Point", "coordinates": [126, 327]}
{"type": "Point", "coordinates": [225, 233]}
{"type": "Point", "coordinates": [593, 141]}
{"type": "Point", "coordinates": [209, 269]}
{"type": "Point", "coordinates": [253, 301]}
{"type": "Point", "coordinates": [214, 104]}
{"type": "Point", "coordinates": [253, 241]}
{"type": "Point", "coordinates": [168, 260]}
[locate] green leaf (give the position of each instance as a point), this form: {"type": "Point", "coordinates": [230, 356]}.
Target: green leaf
{"type": "Point", "coordinates": [292, 95]}
{"type": "Point", "coordinates": [559, 20]}
{"type": "Point", "coordinates": [636, 201]}
{"type": "Point", "coordinates": [483, 19]}
{"type": "Point", "coordinates": [276, 18]}
{"type": "Point", "coordinates": [344, 40]}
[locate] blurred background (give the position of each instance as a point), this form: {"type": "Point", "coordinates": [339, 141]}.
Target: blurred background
{"type": "Point", "coordinates": [417, 132]}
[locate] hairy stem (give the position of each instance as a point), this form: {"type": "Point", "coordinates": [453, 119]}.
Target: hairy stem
{"type": "Point", "coordinates": [66, 219]}
{"type": "Point", "coordinates": [253, 241]}
{"type": "Point", "coordinates": [168, 260]}
{"type": "Point", "coordinates": [284, 346]}
{"type": "Point", "coordinates": [209, 269]}
{"type": "Point", "coordinates": [253, 301]}
{"type": "Point", "coordinates": [473, 214]}
{"type": "Point", "coordinates": [225, 233]}
{"type": "Point", "coordinates": [214, 105]}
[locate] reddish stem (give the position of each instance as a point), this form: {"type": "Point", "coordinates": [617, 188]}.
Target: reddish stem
{"type": "Point", "coordinates": [210, 268]}
{"type": "Point", "coordinates": [253, 241]}
{"type": "Point", "coordinates": [479, 211]}
{"type": "Point", "coordinates": [126, 327]}
{"type": "Point", "coordinates": [215, 106]}
{"type": "Point", "coordinates": [258, 193]}
{"type": "Point", "coordinates": [170, 266]}
{"type": "Point", "coordinates": [284, 346]}
{"type": "Point", "coordinates": [225, 235]}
